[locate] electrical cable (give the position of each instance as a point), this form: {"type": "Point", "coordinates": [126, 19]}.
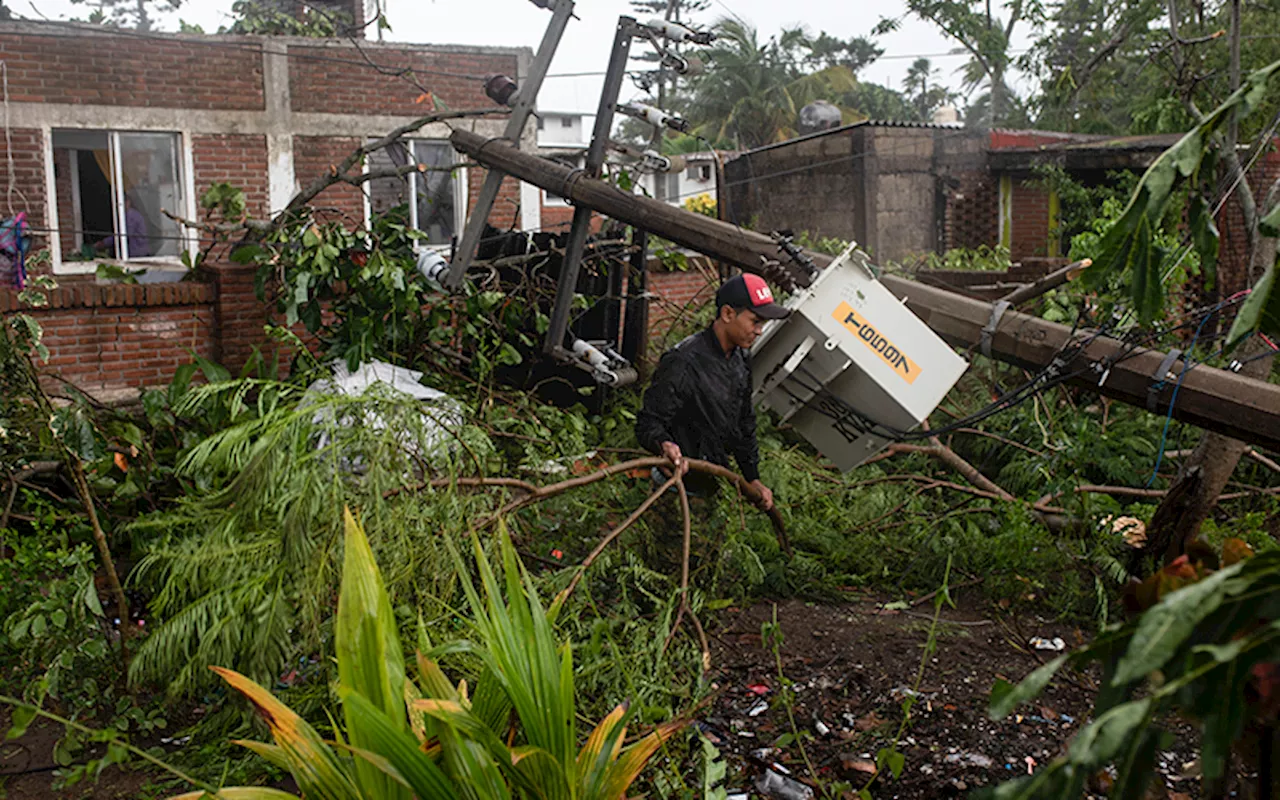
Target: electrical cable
{"type": "Point", "coordinates": [1187, 366]}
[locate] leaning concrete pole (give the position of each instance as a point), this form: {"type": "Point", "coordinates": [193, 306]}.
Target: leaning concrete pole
{"type": "Point", "coordinates": [1218, 400]}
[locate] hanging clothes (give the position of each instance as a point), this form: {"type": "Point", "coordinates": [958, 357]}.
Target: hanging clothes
{"type": "Point", "coordinates": [14, 244]}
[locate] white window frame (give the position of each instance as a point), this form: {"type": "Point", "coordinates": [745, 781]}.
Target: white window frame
{"type": "Point", "coordinates": [461, 195]}
{"type": "Point", "coordinates": [186, 176]}
{"type": "Point", "coordinates": [550, 200]}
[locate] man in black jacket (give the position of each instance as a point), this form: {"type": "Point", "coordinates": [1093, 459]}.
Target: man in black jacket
{"type": "Point", "coordinates": [699, 402]}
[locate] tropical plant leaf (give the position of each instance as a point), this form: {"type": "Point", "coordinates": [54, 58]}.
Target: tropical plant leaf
{"type": "Point", "coordinates": [400, 749]}
{"type": "Point", "coordinates": [370, 659]}
{"type": "Point", "coordinates": [1004, 700]}
{"type": "Point", "coordinates": [1204, 235]}
{"type": "Point", "coordinates": [1164, 627]}
{"type": "Point", "coordinates": [311, 762]}
{"type": "Point", "coordinates": [1101, 740]}
{"type": "Point", "coordinates": [238, 793]}
{"type": "Point", "coordinates": [273, 754]}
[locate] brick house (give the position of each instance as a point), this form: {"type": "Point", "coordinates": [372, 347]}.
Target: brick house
{"type": "Point", "coordinates": [107, 128]}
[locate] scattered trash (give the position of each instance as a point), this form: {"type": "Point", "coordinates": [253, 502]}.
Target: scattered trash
{"type": "Point", "coordinates": [759, 708]}
{"type": "Point", "coordinates": [1132, 529]}
{"type": "Point", "coordinates": [176, 741]}
{"type": "Point", "coordinates": [1067, 719]}
{"type": "Point", "coordinates": [1056, 643]}
{"type": "Point", "coordinates": [1031, 765]}
{"type": "Point", "coordinates": [852, 763]}
{"type": "Point", "coordinates": [736, 795]}
{"type": "Point", "coordinates": [781, 787]}
{"type": "Point", "coordinates": [437, 432]}
{"type": "Point", "coordinates": [714, 736]}
{"type": "Point", "coordinates": [869, 722]}
{"type": "Point", "coordinates": [850, 721]}
{"type": "Point", "coordinates": [759, 689]}
{"type": "Point", "coordinates": [821, 728]}
{"type": "Point", "coordinates": [970, 760]}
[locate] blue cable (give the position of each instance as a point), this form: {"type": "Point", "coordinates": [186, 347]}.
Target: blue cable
{"type": "Point", "coordinates": [1186, 367]}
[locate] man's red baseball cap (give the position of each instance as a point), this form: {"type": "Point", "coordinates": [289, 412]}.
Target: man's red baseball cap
{"type": "Point", "coordinates": [750, 292]}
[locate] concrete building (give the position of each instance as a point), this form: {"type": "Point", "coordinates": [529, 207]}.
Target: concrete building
{"type": "Point", "coordinates": [903, 190]}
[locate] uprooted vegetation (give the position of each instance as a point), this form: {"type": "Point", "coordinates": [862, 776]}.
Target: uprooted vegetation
{"type": "Point", "coordinates": [220, 500]}
{"type": "Point", "coordinates": [225, 496]}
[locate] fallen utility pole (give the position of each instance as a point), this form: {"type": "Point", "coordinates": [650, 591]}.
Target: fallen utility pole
{"type": "Point", "coordinates": [522, 106]}
{"type": "Point", "coordinates": [1213, 399]}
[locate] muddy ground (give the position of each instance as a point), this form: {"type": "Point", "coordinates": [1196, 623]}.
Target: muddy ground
{"type": "Point", "coordinates": [851, 665]}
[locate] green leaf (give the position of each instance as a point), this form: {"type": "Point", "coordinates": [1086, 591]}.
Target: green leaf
{"type": "Point", "coordinates": [1100, 741]}
{"type": "Point", "coordinates": [1260, 311]}
{"type": "Point", "coordinates": [1270, 224]}
{"type": "Point", "coordinates": [370, 658]}
{"type": "Point", "coordinates": [1003, 701]}
{"type": "Point", "coordinates": [388, 739]}
{"type": "Point", "coordinates": [509, 355]}
{"type": "Point", "coordinates": [19, 720]}
{"type": "Point", "coordinates": [1204, 235]}
{"type": "Point", "coordinates": [247, 254]}
{"type": "Point", "coordinates": [1164, 627]}
{"type": "Point", "coordinates": [889, 758]}
{"type": "Point", "coordinates": [1134, 770]}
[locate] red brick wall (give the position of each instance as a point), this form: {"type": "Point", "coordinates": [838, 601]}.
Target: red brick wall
{"type": "Point", "coordinates": [122, 337]}
{"type": "Point", "coordinates": [1030, 222]}
{"type": "Point", "coordinates": [314, 156]}
{"type": "Point", "coordinates": [677, 294]}
{"type": "Point", "coordinates": [28, 170]}
{"type": "Point", "coordinates": [54, 66]}
{"type": "Point", "coordinates": [337, 79]}
{"type": "Point", "coordinates": [1233, 253]}
{"type": "Point", "coordinates": [240, 160]}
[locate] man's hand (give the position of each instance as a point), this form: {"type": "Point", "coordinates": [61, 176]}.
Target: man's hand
{"type": "Point", "coordinates": [672, 451]}
{"type": "Point", "coordinates": [766, 494]}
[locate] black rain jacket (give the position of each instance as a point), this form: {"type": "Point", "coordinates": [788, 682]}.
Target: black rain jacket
{"type": "Point", "coordinates": [701, 400]}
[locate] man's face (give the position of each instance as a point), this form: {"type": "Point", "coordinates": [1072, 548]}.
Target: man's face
{"type": "Point", "coordinates": [742, 326]}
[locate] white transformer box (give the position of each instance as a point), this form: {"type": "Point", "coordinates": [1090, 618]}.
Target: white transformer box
{"type": "Point", "coordinates": [849, 353]}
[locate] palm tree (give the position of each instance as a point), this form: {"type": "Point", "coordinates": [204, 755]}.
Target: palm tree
{"type": "Point", "coordinates": [752, 93]}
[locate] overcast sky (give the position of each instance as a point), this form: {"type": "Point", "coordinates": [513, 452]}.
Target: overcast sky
{"type": "Point", "coordinates": [585, 45]}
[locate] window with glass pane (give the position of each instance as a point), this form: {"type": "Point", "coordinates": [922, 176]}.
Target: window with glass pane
{"type": "Point", "coordinates": [430, 199]}
{"type": "Point", "coordinates": [435, 191]}
{"type": "Point", "coordinates": [112, 191]}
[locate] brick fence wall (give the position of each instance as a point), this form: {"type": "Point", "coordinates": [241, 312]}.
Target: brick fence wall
{"type": "Point", "coordinates": [110, 340]}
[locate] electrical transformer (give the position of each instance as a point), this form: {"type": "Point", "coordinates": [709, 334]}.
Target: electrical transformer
{"type": "Point", "coordinates": [851, 366]}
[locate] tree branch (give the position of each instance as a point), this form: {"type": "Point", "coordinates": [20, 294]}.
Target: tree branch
{"type": "Point", "coordinates": [335, 173]}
